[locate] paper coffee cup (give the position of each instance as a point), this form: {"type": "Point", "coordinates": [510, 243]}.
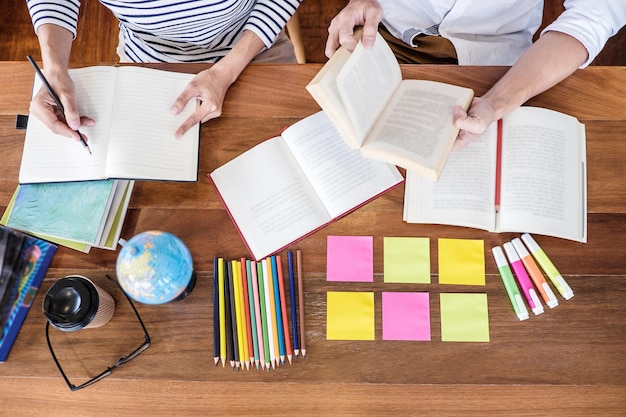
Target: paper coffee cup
{"type": "Point", "coordinates": [74, 303]}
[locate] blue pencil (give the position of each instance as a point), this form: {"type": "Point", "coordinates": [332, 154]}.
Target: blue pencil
{"type": "Point", "coordinates": [277, 312]}
{"type": "Point", "coordinates": [292, 296]}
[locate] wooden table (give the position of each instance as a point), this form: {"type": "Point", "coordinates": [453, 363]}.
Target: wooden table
{"type": "Point", "coordinates": [569, 361]}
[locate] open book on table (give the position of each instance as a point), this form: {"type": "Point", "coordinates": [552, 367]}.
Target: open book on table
{"type": "Point", "coordinates": [404, 122]}
{"type": "Point", "coordinates": [79, 215]}
{"type": "Point", "coordinates": [534, 182]}
{"type": "Point", "coordinates": [133, 137]}
{"type": "Point", "coordinates": [289, 186]}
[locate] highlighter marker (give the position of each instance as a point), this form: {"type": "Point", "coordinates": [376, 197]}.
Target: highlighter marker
{"type": "Point", "coordinates": [522, 278]}
{"type": "Point", "coordinates": [509, 284]}
{"type": "Point", "coordinates": [548, 266]}
{"type": "Point", "coordinates": [535, 274]}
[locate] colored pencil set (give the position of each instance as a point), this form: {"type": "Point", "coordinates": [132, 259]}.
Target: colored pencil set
{"type": "Point", "coordinates": [251, 314]}
{"type": "Point", "coordinates": [528, 273]}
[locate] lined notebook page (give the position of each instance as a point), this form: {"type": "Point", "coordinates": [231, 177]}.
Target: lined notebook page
{"type": "Point", "coordinates": [142, 142]}
{"type": "Point", "coordinates": [51, 158]}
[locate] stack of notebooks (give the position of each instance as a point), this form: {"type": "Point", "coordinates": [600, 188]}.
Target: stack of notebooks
{"type": "Point", "coordinates": [79, 215]}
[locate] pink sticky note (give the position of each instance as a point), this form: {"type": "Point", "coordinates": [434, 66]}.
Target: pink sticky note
{"type": "Point", "coordinates": [350, 258]}
{"type": "Point", "coordinates": [406, 316]}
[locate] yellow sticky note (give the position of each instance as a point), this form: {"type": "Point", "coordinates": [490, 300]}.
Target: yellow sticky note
{"type": "Point", "coordinates": [407, 259]}
{"type": "Point", "coordinates": [350, 315]}
{"type": "Point", "coordinates": [461, 261]}
{"type": "Point", "coordinates": [464, 317]}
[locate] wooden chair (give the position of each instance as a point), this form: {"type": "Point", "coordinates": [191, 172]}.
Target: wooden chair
{"type": "Point", "coordinates": [293, 30]}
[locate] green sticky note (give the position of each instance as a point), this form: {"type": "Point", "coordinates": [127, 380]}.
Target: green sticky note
{"type": "Point", "coordinates": [464, 317]}
{"type": "Point", "coordinates": [350, 315]}
{"type": "Point", "coordinates": [461, 261]}
{"type": "Point", "coordinates": [407, 259]}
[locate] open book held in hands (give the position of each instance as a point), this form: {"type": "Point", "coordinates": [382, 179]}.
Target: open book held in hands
{"type": "Point", "coordinates": [133, 137]}
{"type": "Point", "coordinates": [404, 122]}
{"type": "Point", "coordinates": [525, 174]}
{"type": "Point", "coordinates": [289, 186]}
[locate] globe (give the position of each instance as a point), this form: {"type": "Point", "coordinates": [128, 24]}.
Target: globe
{"type": "Point", "coordinates": [155, 267]}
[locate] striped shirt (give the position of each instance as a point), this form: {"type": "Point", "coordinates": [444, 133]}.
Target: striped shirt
{"type": "Point", "coordinates": [177, 30]}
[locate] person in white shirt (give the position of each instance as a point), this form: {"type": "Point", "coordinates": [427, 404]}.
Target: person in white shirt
{"type": "Point", "coordinates": [490, 32]}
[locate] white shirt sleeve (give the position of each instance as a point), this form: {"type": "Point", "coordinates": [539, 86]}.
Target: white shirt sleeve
{"type": "Point", "coordinates": [591, 22]}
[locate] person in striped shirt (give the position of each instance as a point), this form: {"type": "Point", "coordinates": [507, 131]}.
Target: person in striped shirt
{"type": "Point", "coordinates": [229, 33]}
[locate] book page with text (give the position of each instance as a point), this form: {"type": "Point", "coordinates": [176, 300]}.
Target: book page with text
{"type": "Point", "coordinates": [342, 177]}
{"type": "Point", "coordinates": [416, 129]}
{"type": "Point", "coordinates": [366, 83]}
{"type": "Point", "coordinates": [53, 158]}
{"type": "Point", "coordinates": [543, 174]}
{"type": "Point", "coordinates": [142, 144]}
{"type": "Point", "coordinates": [268, 197]}
{"type": "Point", "coordinates": [464, 195]}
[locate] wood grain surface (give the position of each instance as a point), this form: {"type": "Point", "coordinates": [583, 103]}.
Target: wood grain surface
{"type": "Point", "coordinates": [570, 361]}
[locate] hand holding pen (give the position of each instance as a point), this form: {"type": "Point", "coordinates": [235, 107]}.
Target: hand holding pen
{"type": "Point", "coordinates": [57, 100]}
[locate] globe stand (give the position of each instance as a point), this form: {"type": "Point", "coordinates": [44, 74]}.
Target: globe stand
{"type": "Point", "coordinates": [190, 287]}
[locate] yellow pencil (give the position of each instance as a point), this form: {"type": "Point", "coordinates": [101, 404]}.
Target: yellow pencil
{"type": "Point", "coordinates": [239, 346]}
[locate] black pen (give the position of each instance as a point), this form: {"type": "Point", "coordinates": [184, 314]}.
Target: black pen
{"type": "Point", "coordinates": [55, 97]}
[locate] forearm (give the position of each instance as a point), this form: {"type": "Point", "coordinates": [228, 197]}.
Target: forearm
{"type": "Point", "coordinates": [548, 61]}
{"type": "Point", "coordinates": [55, 43]}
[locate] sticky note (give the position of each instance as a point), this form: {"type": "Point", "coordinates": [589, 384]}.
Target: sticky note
{"type": "Point", "coordinates": [406, 316]}
{"type": "Point", "coordinates": [461, 261]}
{"type": "Point", "coordinates": [350, 258]}
{"type": "Point", "coordinates": [464, 317]}
{"type": "Point", "coordinates": [406, 260]}
{"type": "Point", "coordinates": [350, 315]}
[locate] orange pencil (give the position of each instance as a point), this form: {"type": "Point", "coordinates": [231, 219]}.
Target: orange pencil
{"type": "Point", "coordinates": [244, 325]}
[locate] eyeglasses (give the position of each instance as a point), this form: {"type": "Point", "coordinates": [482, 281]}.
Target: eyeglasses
{"type": "Point", "coordinates": [122, 361]}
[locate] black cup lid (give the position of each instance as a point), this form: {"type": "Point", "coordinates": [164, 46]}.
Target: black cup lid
{"type": "Point", "coordinates": [71, 303]}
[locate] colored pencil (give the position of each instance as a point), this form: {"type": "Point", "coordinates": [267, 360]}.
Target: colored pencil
{"type": "Point", "coordinates": [241, 319]}
{"type": "Point", "coordinates": [257, 313]}
{"type": "Point", "coordinates": [292, 296]}
{"type": "Point", "coordinates": [283, 309]}
{"type": "Point", "coordinates": [222, 310]}
{"type": "Point", "coordinates": [301, 303]}
{"type": "Point", "coordinates": [233, 315]}
{"type": "Point", "coordinates": [278, 311]}
{"type": "Point", "coordinates": [246, 309]}
{"type": "Point", "coordinates": [263, 301]}
{"type": "Point", "coordinates": [251, 305]}
{"type": "Point", "coordinates": [228, 305]}
{"type": "Point", "coordinates": [216, 314]}
{"type": "Point", "coordinates": [275, 352]}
